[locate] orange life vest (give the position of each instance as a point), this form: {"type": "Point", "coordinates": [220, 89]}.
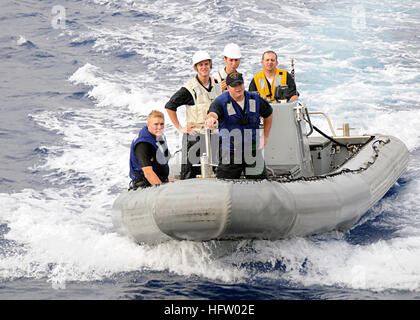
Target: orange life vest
{"type": "Point", "coordinates": [280, 78]}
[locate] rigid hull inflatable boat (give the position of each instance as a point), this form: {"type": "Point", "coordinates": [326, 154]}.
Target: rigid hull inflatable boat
{"type": "Point", "coordinates": [316, 184]}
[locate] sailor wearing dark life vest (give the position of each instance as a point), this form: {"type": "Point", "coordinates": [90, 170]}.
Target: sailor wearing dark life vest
{"type": "Point", "coordinates": [149, 154]}
{"type": "Point", "coordinates": [237, 114]}
{"type": "Point", "coordinates": [271, 77]}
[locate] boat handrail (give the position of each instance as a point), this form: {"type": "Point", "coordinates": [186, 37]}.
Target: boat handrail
{"type": "Point", "coordinates": [328, 120]}
{"type": "Point", "coordinates": [206, 159]}
{"type": "Point", "coordinates": [306, 117]}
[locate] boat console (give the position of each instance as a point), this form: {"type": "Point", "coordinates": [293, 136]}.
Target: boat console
{"type": "Point", "coordinates": [288, 150]}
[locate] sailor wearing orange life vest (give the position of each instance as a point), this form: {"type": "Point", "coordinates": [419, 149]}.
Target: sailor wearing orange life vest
{"type": "Point", "coordinates": [270, 77]}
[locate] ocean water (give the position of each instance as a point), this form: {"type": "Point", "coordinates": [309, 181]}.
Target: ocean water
{"type": "Point", "coordinates": [77, 78]}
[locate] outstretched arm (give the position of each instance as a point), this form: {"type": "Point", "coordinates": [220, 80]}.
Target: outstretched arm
{"type": "Point", "coordinates": [174, 118]}
{"type": "Point", "coordinates": [267, 127]}
{"type": "Point", "coordinates": [151, 176]}
{"type": "Point", "coordinates": [212, 120]}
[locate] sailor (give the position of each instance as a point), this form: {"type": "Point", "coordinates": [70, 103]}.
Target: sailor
{"type": "Point", "coordinates": [237, 113]}
{"type": "Point", "coordinates": [270, 77]}
{"type": "Point", "coordinates": [149, 154]}
{"type": "Point", "coordinates": [196, 95]}
{"type": "Point", "coordinates": [232, 58]}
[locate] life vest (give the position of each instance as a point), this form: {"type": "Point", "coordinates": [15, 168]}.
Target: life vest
{"type": "Point", "coordinates": [220, 75]}
{"type": "Point", "coordinates": [237, 121]}
{"type": "Point", "coordinates": [280, 78]}
{"type": "Point", "coordinates": [196, 114]}
{"type": "Point", "coordinates": [159, 163]}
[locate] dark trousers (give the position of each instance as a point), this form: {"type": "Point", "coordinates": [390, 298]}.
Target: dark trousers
{"type": "Point", "coordinates": [193, 148]}
{"type": "Point", "coordinates": [232, 168]}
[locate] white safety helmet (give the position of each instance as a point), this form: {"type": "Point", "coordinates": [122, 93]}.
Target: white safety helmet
{"type": "Point", "coordinates": [232, 51]}
{"type": "Point", "coordinates": [200, 56]}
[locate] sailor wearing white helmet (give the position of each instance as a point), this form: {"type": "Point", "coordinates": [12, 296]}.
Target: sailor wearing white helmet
{"type": "Point", "coordinates": [197, 95]}
{"type": "Point", "coordinates": [232, 57]}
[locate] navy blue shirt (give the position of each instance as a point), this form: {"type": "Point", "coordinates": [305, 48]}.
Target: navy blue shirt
{"type": "Point", "coordinates": [265, 109]}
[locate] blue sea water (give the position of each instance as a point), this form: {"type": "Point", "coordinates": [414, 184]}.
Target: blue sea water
{"type": "Point", "coordinates": [78, 77]}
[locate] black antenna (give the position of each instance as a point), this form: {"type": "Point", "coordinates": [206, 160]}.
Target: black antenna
{"type": "Point", "coordinates": [292, 72]}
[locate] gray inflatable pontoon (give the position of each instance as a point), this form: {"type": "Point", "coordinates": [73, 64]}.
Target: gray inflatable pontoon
{"type": "Point", "coordinates": [316, 184]}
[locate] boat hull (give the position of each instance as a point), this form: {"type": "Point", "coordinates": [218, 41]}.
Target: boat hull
{"type": "Point", "coordinates": [206, 209]}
